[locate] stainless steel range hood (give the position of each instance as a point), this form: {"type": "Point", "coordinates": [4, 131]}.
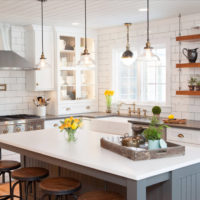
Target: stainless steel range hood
{"type": "Point", "coordinates": [9, 60]}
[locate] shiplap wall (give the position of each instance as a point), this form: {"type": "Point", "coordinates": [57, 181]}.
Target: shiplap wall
{"type": "Point", "coordinates": [111, 38]}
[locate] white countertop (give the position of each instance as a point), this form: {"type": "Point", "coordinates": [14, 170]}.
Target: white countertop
{"type": "Point", "coordinates": [86, 151]}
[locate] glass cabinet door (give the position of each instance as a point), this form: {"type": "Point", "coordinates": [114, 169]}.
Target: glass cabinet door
{"type": "Point", "coordinates": [68, 85]}
{"type": "Point", "coordinates": [87, 78]}
{"type": "Point", "coordinates": [67, 51]}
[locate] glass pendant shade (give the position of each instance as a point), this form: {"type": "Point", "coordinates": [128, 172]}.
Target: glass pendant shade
{"type": "Point", "coordinates": [86, 60]}
{"type": "Point", "coordinates": [148, 56]}
{"type": "Point", "coordinates": [43, 63]}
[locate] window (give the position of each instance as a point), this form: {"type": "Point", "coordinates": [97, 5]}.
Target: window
{"type": "Point", "coordinates": [142, 84]}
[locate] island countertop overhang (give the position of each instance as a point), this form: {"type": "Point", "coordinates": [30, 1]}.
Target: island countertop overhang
{"type": "Point", "coordinates": [86, 151]}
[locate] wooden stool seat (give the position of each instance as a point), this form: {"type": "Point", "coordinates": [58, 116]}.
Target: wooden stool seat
{"type": "Point", "coordinates": [30, 174]}
{"type": "Point", "coordinates": [60, 186]}
{"type": "Point", "coordinates": [7, 165]}
{"type": "Point", "coordinates": [101, 195]}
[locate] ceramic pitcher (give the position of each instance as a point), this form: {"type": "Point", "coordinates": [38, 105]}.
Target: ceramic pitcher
{"type": "Point", "coordinates": [190, 54]}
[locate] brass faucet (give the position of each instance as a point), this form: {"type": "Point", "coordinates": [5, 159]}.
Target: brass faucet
{"type": "Point", "coordinates": [138, 112]}
{"type": "Point", "coordinates": [129, 109]}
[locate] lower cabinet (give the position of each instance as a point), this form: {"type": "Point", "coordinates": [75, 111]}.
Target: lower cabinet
{"type": "Point", "coordinates": [184, 136]}
{"type": "Point", "coordinates": [52, 123]}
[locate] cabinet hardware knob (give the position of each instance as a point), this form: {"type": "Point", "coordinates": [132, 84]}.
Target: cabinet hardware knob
{"type": "Point", "coordinates": [55, 125]}
{"type": "Point", "coordinates": [180, 135]}
{"type": "Point", "coordinates": [37, 84]}
{"type": "Point", "coordinates": [88, 107]}
{"type": "Point", "coordinates": [67, 109]}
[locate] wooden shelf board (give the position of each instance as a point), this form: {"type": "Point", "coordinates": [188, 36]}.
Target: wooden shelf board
{"type": "Point", "coordinates": [187, 65]}
{"type": "Point", "coordinates": [187, 92]}
{"type": "Point", "coordinates": [188, 38]}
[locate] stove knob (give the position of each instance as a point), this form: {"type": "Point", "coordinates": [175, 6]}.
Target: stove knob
{"type": "Point", "coordinates": [18, 129]}
{"type": "Point", "coordinates": [5, 131]}
{"type": "Point", "coordinates": [38, 127]}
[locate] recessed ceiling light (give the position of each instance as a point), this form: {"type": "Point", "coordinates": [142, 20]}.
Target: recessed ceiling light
{"type": "Point", "coordinates": [75, 23]}
{"type": "Point", "coordinates": [142, 9]}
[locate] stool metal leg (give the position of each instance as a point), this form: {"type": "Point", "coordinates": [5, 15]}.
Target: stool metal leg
{"type": "Point", "coordinates": [10, 181]}
{"type": "Point", "coordinates": [26, 190]}
{"type": "Point", "coordinates": [3, 177]}
{"type": "Point", "coordinates": [20, 190]}
{"type": "Point", "coordinates": [34, 188]}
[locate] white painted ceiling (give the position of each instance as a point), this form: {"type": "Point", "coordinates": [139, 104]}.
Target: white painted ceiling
{"type": "Point", "coordinates": [101, 13]}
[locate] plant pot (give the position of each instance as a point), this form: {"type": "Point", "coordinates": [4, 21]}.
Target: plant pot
{"type": "Point", "coordinates": [41, 111]}
{"type": "Point", "coordinates": [191, 87]}
{"type": "Point", "coordinates": [198, 88]}
{"type": "Point", "coordinates": [157, 116]}
{"type": "Point", "coordinates": [153, 144]}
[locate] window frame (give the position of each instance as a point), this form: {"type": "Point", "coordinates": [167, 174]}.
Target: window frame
{"type": "Point", "coordinates": [158, 43]}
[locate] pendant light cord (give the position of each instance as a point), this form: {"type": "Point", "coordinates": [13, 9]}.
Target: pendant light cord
{"type": "Point", "coordinates": [127, 45]}
{"type": "Point", "coordinates": [42, 23]}
{"type": "Point", "coordinates": [85, 25]}
{"type": "Point", "coordinates": [147, 20]}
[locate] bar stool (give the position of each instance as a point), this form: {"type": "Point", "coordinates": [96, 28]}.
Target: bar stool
{"type": "Point", "coordinates": [6, 166]}
{"type": "Point", "coordinates": [101, 195]}
{"type": "Point", "coordinates": [28, 176]}
{"type": "Point", "coordinates": [59, 187]}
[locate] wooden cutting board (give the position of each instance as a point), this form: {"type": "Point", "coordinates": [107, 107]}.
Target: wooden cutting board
{"type": "Point", "coordinates": [175, 121]}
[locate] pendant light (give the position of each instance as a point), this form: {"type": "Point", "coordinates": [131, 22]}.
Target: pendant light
{"type": "Point", "coordinates": [86, 60]}
{"type": "Point", "coordinates": [127, 56]}
{"type": "Point", "coordinates": [43, 62]}
{"type": "Point", "coordinates": [148, 55]}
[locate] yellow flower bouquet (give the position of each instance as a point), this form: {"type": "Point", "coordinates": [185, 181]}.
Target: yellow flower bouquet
{"type": "Point", "coordinates": [70, 126]}
{"type": "Point", "coordinates": [108, 94]}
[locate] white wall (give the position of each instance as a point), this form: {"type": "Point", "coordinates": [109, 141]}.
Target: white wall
{"type": "Point", "coordinates": [16, 100]}
{"type": "Point", "coordinates": [111, 38]}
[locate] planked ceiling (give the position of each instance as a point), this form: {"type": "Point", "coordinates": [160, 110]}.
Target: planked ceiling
{"type": "Point", "coordinates": [101, 13]}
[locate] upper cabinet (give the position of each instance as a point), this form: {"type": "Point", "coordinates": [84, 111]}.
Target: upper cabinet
{"type": "Point", "coordinates": [40, 80]}
{"type": "Point", "coordinates": [76, 86]}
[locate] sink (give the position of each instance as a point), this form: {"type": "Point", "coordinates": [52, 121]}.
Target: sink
{"type": "Point", "coordinates": [112, 125]}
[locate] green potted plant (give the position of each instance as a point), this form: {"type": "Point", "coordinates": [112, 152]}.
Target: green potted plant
{"type": "Point", "coordinates": [156, 110]}
{"type": "Point", "coordinates": [154, 133]}
{"type": "Point", "coordinates": [192, 83]}
{"type": "Point", "coordinates": [198, 85]}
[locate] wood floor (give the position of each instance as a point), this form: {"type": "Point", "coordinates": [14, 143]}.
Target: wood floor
{"type": "Point", "coordinates": [4, 189]}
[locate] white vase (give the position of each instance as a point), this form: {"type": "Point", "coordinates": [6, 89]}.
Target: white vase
{"type": "Point", "coordinates": [41, 111]}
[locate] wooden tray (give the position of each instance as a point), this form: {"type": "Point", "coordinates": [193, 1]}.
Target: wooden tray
{"type": "Point", "coordinates": [175, 121]}
{"type": "Point", "coordinates": [172, 150]}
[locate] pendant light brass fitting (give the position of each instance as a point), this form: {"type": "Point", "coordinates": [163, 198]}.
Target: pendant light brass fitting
{"type": "Point", "coordinates": [85, 52]}
{"type": "Point", "coordinates": [42, 56]}
{"type": "Point", "coordinates": [148, 45]}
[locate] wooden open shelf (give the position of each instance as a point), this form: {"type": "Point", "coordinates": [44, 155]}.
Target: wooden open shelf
{"type": "Point", "coordinates": [187, 65]}
{"type": "Point", "coordinates": [186, 92]}
{"type": "Point", "coordinates": [188, 38]}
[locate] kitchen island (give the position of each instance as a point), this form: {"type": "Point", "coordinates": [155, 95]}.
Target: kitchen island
{"type": "Point", "coordinates": [174, 178]}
